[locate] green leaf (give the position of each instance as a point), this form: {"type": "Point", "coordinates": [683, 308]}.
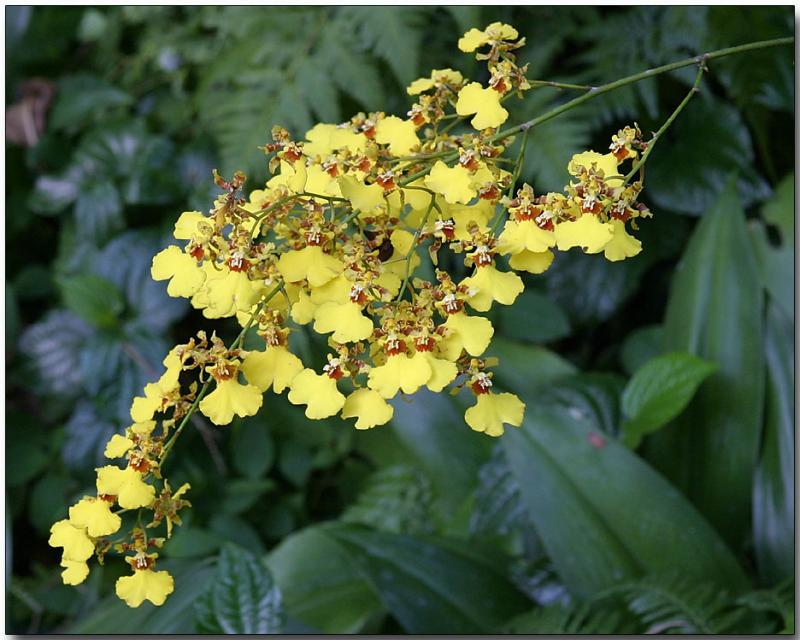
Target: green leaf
{"type": "Point", "coordinates": [431, 588]}
{"type": "Point", "coordinates": [242, 597]}
{"type": "Point", "coordinates": [591, 397]}
{"type": "Point", "coordinates": [533, 317]}
{"type": "Point", "coordinates": [552, 144]}
{"type": "Point", "coordinates": [393, 33]}
{"type": "Point", "coordinates": [320, 584]}
{"type": "Point", "coordinates": [596, 506]}
{"type": "Point", "coordinates": [659, 391]}
{"type": "Point", "coordinates": [98, 209]}
{"type": "Point", "coordinates": [715, 312]}
{"type": "Point", "coordinates": [93, 298]}
{"type": "Point", "coordinates": [176, 616]}
{"type": "Point", "coordinates": [591, 290]}
{"type": "Point", "coordinates": [86, 437]}
{"type": "Point", "coordinates": [707, 143]}
{"type": "Point", "coordinates": [54, 346]}
{"type": "Point", "coordinates": [779, 209]}
{"type": "Point", "coordinates": [450, 453]}
{"type": "Point", "coordinates": [83, 99]}
{"type": "Point", "coordinates": [526, 367]}
{"type": "Point", "coordinates": [252, 449]}
{"type": "Point", "coordinates": [640, 346]}
{"type": "Point", "coordinates": [395, 499]}
{"type": "Point", "coordinates": [773, 493]}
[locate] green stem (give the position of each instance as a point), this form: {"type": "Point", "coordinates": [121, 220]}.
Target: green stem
{"type": "Point", "coordinates": [637, 77]}
{"type": "Point", "coordinates": [611, 86]}
{"type": "Point", "coordinates": [514, 177]}
{"type": "Point", "coordinates": [657, 135]}
{"type": "Point", "coordinates": [414, 244]}
{"type": "Point", "coordinates": [559, 85]}
{"type": "Point", "coordinates": [204, 388]}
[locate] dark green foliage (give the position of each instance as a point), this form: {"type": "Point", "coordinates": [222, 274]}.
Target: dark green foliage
{"type": "Point", "coordinates": [421, 526]}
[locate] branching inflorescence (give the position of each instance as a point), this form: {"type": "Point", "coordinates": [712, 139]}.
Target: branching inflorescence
{"type": "Point", "coordinates": [332, 241]}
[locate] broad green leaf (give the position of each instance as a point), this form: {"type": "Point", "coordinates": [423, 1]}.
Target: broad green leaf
{"type": "Point", "coordinates": [82, 99]}
{"type": "Point", "coordinates": [779, 209]}
{"type": "Point", "coordinates": [776, 257]}
{"type": "Point", "coordinates": [54, 345]}
{"type": "Point", "coordinates": [93, 298]}
{"type": "Point", "coordinates": [641, 346]}
{"type": "Point", "coordinates": [176, 616]}
{"type": "Point", "coordinates": [242, 597]}
{"type": "Point", "coordinates": [320, 585]}
{"type": "Point", "coordinates": [659, 391]}
{"type": "Point", "coordinates": [394, 499]}
{"type": "Point", "coordinates": [533, 317]}
{"type": "Point", "coordinates": [450, 453]}
{"type": "Point", "coordinates": [602, 513]}
{"type": "Point", "coordinates": [591, 397]}
{"type": "Point", "coordinates": [98, 209]}
{"type": "Point", "coordinates": [773, 494]}
{"type": "Point", "coordinates": [27, 452]}
{"type": "Point", "coordinates": [86, 437]}
{"type": "Point", "coordinates": [591, 290]}
{"type": "Point", "coordinates": [524, 367]}
{"type": "Point", "coordinates": [429, 587]}
{"type": "Point", "coordinates": [252, 449]}
{"type": "Point", "coordinates": [715, 312]}
{"type": "Point", "coordinates": [690, 168]}
{"type": "Point", "coordinates": [191, 542]}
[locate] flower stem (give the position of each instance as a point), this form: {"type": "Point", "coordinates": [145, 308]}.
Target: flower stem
{"type": "Point", "coordinates": [204, 388]}
{"type": "Point", "coordinates": [611, 86]}
{"type": "Point", "coordinates": [657, 135]}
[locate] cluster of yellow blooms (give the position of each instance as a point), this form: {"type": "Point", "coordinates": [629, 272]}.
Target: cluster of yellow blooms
{"type": "Point", "coordinates": [332, 241]}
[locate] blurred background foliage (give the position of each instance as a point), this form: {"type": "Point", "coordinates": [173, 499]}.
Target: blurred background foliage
{"type": "Point", "coordinates": [648, 489]}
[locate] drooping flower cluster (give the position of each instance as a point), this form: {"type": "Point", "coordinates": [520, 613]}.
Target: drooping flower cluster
{"type": "Point", "coordinates": [335, 241]}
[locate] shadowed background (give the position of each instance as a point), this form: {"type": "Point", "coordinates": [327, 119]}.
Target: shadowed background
{"type": "Point", "coordinates": [115, 118]}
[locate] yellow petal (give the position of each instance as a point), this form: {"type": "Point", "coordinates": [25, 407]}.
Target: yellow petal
{"type": "Point", "coordinates": [531, 262]}
{"type": "Point", "coordinates": [76, 544]}
{"type": "Point", "coordinates": [471, 40]}
{"type": "Point", "coordinates": [326, 139]}
{"type": "Point", "coordinates": [309, 263]}
{"type": "Point", "coordinates": [418, 86]}
{"type": "Point", "coordinates": [318, 392]}
{"type": "Point", "coordinates": [150, 585]}
{"type": "Point", "coordinates": [399, 134]}
{"type": "Point", "coordinates": [143, 409]}
{"type": "Point", "coordinates": [484, 103]}
{"type": "Point", "coordinates": [363, 197]}
{"type": "Point", "coordinates": [229, 292]}
{"type": "Point", "coordinates": [524, 236]}
{"type": "Point", "coordinates": [622, 244]}
{"type": "Point", "coordinates": [345, 320]}
{"type": "Point", "coordinates": [144, 428]}
{"type": "Point", "coordinates": [454, 183]}
{"type": "Point", "coordinates": [400, 372]}
{"type": "Point", "coordinates": [471, 333]}
{"type": "Point", "coordinates": [443, 372]}
{"type": "Point", "coordinates": [303, 310]}
{"type": "Point", "coordinates": [586, 232]}
{"type": "Point", "coordinates": [490, 285]}
{"type": "Point", "coordinates": [117, 446]}
{"type": "Point", "coordinates": [321, 182]}
{"type": "Point", "coordinates": [607, 163]}
{"type": "Point", "coordinates": [291, 176]}
{"type": "Point", "coordinates": [369, 407]}
{"type": "Point", "coordinates": [463, 215]}
{"type": "Point", "coordinates": [275, 367]}
{"type": "Point", "coordinates": [127, 484]}
{"type": "Point", "coordinates": [185, 277]}
{"type": "Point", "coordinates": [74, 571]}
{"type": "Point", "coordinates": [231, 398]}
{"type": "Point", "coordinates": [187, 225]}
{"type": "Point", "coordinates": [492, 410]}
{"type": "Point", "coordinates": [95, 516]}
